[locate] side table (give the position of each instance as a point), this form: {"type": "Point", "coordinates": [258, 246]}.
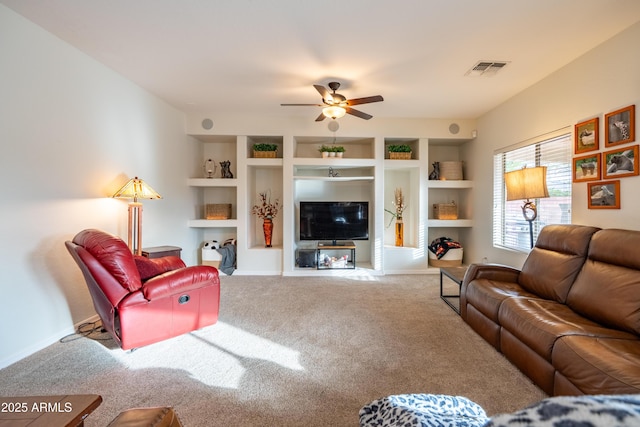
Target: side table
{"type": "Point", "coordinates": [457, 275]}
{"type": "Point", "coordinates": [48, 411]}
{"type": "Point", "coordinates": [160, 251]}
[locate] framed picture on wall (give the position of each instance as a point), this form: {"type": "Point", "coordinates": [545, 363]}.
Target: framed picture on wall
{"type": "Point", "coordinates": [604, 194]}
{"type": "Point", "coordinates": [587, 168]}
{"type": "Point", "coordinates": [620, 163]}
{"type": "Point", "coordinates": [620, 126]}
{"type": "Point", "coordinates": [586, 136]}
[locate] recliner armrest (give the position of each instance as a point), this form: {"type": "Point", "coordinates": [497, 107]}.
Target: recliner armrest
{"type": "Point", "coordinates": [498, 272]}
{"type": "Point", "coordinates": [151, 267]}
{"type": "Point", "coordinates": [181, 280]}
{"type": "Point", "coordinates": [168, 263]}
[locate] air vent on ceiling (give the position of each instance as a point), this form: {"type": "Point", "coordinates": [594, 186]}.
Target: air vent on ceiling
{"type": "Point", "coordinates": [486, 68]}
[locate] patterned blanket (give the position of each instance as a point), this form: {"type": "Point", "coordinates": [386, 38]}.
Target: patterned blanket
{"type": "Point", "coordinates": [587, 411]}
{"type": "Point", "coordinates": [431, 410]}
{"type": "Point", "coordinates": [424, 410]}
{"type": "Point", "coordinates": [441, 246]}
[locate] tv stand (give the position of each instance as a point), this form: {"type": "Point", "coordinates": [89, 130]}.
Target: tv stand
{"type": "Point", "coordinates": [331, 255]}
{"type": "Point", "coordinates": [336, 243]}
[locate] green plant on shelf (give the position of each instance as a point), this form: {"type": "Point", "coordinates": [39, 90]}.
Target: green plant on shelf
{"type": "Point", "coordinates": [331, 149]}
{"type": "Point", "coordinates": [401, 148]}
{"type": "Point", "coordinates": [265, 147]}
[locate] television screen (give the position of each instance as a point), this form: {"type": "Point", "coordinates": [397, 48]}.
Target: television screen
{"type": "Point", "coordinates": [334, 221]}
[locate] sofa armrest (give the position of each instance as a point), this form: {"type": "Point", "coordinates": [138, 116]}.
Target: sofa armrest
{"type": "Point", "coordinates": [502, 273]}
{"type": "Point", "coordinates": [181, 280]}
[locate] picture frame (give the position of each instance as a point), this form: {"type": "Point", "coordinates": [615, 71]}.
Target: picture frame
{"type": "Point", "coordinates": [587, 168]}
{"type": "Point", "coordinates": [603, 195]}
{"type": "Point", "coordinates": [620, 163]}
{"type": "Point", "coordinates": [586, 136]}
{"type": "Point", "coordinates": [620, 126]}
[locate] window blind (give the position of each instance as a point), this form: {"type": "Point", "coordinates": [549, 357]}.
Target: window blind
{"type": "Point", "coordinates": [510, 229]}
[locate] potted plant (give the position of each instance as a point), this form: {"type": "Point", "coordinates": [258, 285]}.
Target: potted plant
{"type": "Point", "coordinates": [266, 210]}
{"type": "Point", "coordinates": [400, 151]}
{"type": "Point", "coordinates": [325, 150]}
{"type": "Point", "coordinates": [331, 150]}
{"type": "Point", "coordinates": [263, 150]}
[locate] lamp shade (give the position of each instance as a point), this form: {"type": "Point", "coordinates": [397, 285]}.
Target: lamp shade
{"type": "Point", "coordinates": [334, 112]}
{"type": "Point", "coordinates": [136, 189]}
{"type": "Point", "coordinates": [526, 183]}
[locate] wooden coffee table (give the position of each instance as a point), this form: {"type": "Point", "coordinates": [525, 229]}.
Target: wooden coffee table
{"type": "Point", "coordinates": [47, 411]}
{"type": "Point", "coordinates": [457, 275]}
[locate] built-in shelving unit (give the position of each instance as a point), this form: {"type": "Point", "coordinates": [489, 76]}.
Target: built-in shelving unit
{"type": "Point", "coordinates": [446, 191]}
{"type": "Point", "coordinates": [299, 173]}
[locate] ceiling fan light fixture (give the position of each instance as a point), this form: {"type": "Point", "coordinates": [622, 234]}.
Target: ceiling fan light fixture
{"type": "Point", "coordinates": [334, 112]}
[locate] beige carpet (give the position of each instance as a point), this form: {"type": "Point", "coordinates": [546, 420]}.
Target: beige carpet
{"type": "Point", "coordinates": [288, 352]}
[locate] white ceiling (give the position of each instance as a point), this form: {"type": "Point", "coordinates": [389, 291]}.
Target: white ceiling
{"type": "Point", "coordinates": [248, 56]}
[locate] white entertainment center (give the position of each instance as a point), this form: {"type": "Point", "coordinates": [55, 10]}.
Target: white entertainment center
{"type": "Point", "coordinates": [299, 173]}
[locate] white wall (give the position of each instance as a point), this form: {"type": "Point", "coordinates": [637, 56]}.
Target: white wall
{"type": "Point", "coordinates": [603, 80]}
{"type": "Point", "coordinates": [72, 131]}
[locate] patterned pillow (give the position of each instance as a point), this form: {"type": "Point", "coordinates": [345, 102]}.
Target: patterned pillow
{"type": "Point", "coordinates": [581, 411]}
{"type": "Point", "coordinates": [422, 410]}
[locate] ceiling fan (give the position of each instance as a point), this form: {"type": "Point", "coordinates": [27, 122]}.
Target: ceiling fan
{"type": "Point", "coordinates": [336, 105]}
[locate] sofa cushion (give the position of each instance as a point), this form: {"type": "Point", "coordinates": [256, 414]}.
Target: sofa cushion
{"type": "Point", "coordinates": [486, 295]}
{"type": "Point", "coordinates": [146, 267]}
{"type": "Point", "coordinates": [594, 364]}
{"type": "Point", "coordinates": [607, 289]}
{"type": "Point", "coordinates": [538, 323]}
{"type": "Point", "coordinates": [554, 262]}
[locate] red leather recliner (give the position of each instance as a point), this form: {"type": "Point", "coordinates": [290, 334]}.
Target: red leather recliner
{"type": "Point", "coordinates": [168, 300]}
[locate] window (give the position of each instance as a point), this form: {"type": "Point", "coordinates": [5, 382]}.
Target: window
{"type": "Point", "coordinates": [510, 229]}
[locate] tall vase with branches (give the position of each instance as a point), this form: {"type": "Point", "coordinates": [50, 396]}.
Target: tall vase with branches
{"type": "Point", "coordinates": [266, 210]}
{"type": "Point", "coordinates": [399, 204]}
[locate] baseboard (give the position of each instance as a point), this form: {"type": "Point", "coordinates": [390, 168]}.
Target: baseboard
{"type": "Point", "coordinates": [16, 357]}
{"type": "Point", "coordinates": [398, 272]}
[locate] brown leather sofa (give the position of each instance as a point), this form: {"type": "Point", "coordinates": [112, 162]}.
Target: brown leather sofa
{"type": "Point", "coordinates": [570, 318]}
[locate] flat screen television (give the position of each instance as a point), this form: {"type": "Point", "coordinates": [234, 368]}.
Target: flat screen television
{"type": "Point", "coordinates": [334, 221]}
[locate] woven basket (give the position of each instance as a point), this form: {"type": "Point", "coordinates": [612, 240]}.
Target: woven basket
{"type": "Point", "coordinates": [451, 170]}
{"type": "Point", "coordinates": [396, 155]}
{"type": "Point", "coordinates": [445, 210]}
{"type": "Point", "coordinates": [264, 154]}
{"type": "Point", "coordinates": [217, 211]}
{"type": "Point", "coordinates": [453, 258]}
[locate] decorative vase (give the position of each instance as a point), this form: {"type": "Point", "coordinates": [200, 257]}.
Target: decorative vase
{"type": "Point", "coordinates": [399, 232]}
{"type": "Point", "coordinates": [267, 227]}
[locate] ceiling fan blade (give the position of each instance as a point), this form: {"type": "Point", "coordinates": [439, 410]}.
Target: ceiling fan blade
{"type": "Point", "coordinates": [301, 105]}
{"type": "Point", "coordinates": [366, 100]}
{"type": "Point", "coordinates": [323, 91]}
{"type": "Point", "coordinates": [321, 117]}
{"type": "Point", "coordinates": [358, 113]}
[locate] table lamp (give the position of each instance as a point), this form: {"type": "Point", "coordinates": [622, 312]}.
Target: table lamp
{"type": "Point", "coordinates": [525, 184]}
{"type": "Point", "coordinates": [135, 189]}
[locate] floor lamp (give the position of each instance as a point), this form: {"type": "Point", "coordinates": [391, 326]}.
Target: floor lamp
{"type": "Point", "coordinates": [526, 184]}
{"type": "Point", "coordinates": [136, 189]}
